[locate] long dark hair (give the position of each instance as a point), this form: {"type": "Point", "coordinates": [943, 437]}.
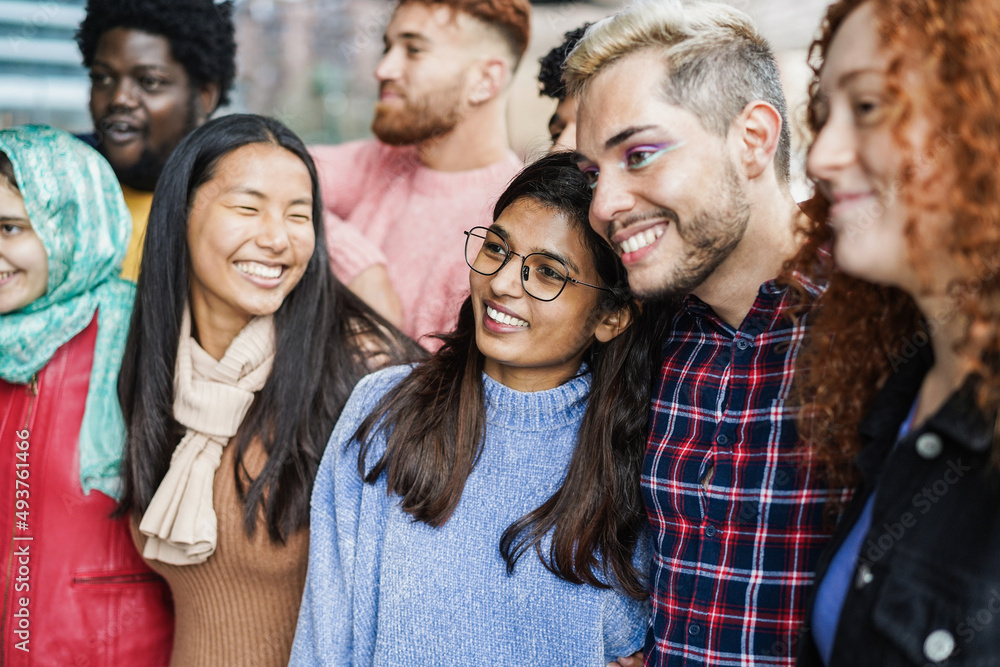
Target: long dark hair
{"type": "Point", "coordinates": [434, 420]}
{"type": "Point", "coordinates": [319, 330]}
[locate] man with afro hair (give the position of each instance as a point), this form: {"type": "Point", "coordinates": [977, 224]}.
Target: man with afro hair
{"type": "Point", "coordinates": [562, 124]}
{"type": "Point", "coordinates": [158, 70]}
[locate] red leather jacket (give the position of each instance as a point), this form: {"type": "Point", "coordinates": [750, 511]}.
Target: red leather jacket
{"type": "Point", "coordinates": [75, 591]}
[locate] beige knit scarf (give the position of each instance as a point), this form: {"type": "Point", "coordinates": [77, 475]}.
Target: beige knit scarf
{"type": "Point", "coordinates": [211, 398]}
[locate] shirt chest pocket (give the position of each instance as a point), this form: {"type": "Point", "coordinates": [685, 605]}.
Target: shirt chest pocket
{"type": "Point", "coordinates": [934, 616]}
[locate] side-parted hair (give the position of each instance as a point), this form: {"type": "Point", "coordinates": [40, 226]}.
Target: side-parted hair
{"type": "Point", "coordinates": [716, 59]}
{"type": "Point", "coordinates": [434, 421]}
{"type": "Point", "coordinates": [325, 340]}
{"type": "Point", "coordinates": [862, 332]}
{"type": "Point", "coordinates": [510, 18]}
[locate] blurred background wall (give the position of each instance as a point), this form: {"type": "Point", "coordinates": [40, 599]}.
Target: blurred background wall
{"type": "Point", "coordinates": [310, 62]}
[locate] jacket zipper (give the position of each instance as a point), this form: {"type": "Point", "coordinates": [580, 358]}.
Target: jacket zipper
{"type": "Point", "coordinates": [135, 578]}
{"type": "Point", "coordinates": [32, 390]}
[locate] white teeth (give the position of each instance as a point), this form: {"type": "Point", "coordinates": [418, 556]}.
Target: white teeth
{"type": "Point", "coordinates": [259, 270]}
{"type": "Point", "coordinates": [4, 275]}
{"type": "Point", "coordinates": [642, 239]}
{"type": "Point", "coordinates": [503, 318]}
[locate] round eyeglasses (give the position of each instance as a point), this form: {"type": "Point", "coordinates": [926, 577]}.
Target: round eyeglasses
{"type": "Point", "coordinates": [543, 276]}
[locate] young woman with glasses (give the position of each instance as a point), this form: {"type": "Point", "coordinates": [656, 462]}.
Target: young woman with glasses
{"type": "Point", "coordinates": [484, 507]}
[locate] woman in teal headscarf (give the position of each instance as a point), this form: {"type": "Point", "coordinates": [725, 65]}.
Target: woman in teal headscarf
{"type": "Point", "coordinates": [77, 592]}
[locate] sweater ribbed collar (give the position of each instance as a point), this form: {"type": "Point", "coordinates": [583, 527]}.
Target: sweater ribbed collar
{"type": "Point", "coordinates": [537, 410]}
{"type": "Point", "coordinates": [491, 176]}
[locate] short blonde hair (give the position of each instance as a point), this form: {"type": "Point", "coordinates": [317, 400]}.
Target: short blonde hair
{"type": "Point", "coordinates": [716, 59]}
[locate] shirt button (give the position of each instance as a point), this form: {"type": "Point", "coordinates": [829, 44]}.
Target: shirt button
{"type": "Point", "coordinates": [863, 576]}
{"type": "Point", "coordinates": [694, 629]}
{"type": "Point", "coordinates": [939, 645]}
{"type": "Point", "coordinates": [742, 343]}
{"type": "Point", "coordinates": [929, 446]}
{"type": "Point", "coordinates": [723, 439]}
{"type": "Point", "coordinates": [710, 531]}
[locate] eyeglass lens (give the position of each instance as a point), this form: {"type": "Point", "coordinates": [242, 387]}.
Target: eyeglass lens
{"type": "Point", "coordinates": [542, 277]}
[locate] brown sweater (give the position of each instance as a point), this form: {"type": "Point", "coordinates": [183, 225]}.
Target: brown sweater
{"type": "Point", "coordinates": [240, 606]}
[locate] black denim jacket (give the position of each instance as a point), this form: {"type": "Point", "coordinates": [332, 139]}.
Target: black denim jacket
{"type": "Point", "coordinates": [926, 589]}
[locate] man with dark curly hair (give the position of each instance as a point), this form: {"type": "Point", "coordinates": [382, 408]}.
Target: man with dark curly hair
{"type": "Point", "coordinates": [158, 70]}
{"type": "Point", "coordinates": [562, 124]}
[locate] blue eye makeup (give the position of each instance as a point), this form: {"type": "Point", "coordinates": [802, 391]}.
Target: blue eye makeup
{"type": "Point", "coordinates": [643, 155]}
{"type": "Point", "coordinates": [635, 157]}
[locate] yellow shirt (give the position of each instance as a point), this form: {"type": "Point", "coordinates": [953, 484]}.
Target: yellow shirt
{"type": "Point", "coordinates": [138, 203]}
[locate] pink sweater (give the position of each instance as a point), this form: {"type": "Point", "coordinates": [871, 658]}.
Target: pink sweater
{"type": "Point", "coordinates": [384, 206]}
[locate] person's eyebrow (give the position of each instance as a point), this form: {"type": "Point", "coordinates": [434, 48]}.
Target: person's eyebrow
{"type": "Point", "coordinates": [257, 194]}
{"type": "Point", "coordinates": [406, 36]}
{"type": "Point", "coordinates": [13, 218]}
{"type": "Point", "coordinates": [570, 264]}
{"type": "Point", "coordinates": [244, 190]}
{"type": "Point", "coordinates": [499, 231]}
{"type": "Point", "coordinates": [502, 233]}
{"type": "Point", "coordinates": [153, 67]}
{"type": "Point", "coordinates": [848, 77]}
{"type": "Point", "coordinates": [624, 135]}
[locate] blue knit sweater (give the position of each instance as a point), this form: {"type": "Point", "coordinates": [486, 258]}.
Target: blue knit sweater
{"type": "Point", "coordinates": [383, 589]}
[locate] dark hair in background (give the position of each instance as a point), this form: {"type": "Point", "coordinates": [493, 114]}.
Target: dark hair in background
{"type": "Point", "coordinates": [551, 71]}
{"type": "Point", "coordinates": [434, 420]}
{"type": "Point", "coordinates": [200, 32]}
{"type": "Point", "coordinates": [318, 328]}
{"type": "Point", "coordinates": [7, 171]}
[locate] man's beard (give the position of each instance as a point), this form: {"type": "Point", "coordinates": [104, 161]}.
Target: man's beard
{"type": "Point", "coordinates": [418, 120]}
{"type": "Point", "coordinates": [145, 172]}
{"type": "Point", "coordinates": [710, 237]}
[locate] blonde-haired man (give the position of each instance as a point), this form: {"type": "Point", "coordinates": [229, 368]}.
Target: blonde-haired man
{"type": "Point", "coordinates": [682, 131]}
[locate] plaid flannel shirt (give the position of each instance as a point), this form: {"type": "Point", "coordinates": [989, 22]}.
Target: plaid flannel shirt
{"type": "Point", "coordinates": [738, 522]}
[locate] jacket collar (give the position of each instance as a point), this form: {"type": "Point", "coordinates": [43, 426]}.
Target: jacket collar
{"type": "Point", "coordinates": [958, 420]}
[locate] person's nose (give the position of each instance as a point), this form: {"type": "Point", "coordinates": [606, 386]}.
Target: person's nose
{"type": "Point", "coordinates": [507, 281]}
{"type": "Point", "coordinates": [125, 93]}
{"type": "Point", "coordinates": [389, 66]}
{"type": "Point", "coordinates": [612, 200]}
{"type": "Point", "coordinates": [273, 233]}
{"type": "Point", "coordinates": [833, 150]}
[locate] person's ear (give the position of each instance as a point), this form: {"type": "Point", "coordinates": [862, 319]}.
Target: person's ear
{"type": "Point", "coordinates": [490, 78]}
{"type": "Point", "coordinates": [612, 324]}
{"type": "Point", "coordinates": [759, 126]}
{"type": "Point", "coordinates": [207, 99]}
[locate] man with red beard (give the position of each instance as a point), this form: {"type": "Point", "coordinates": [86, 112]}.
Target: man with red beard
{"type": "Point", "coordinates": [441, 158]}
{"type": "Point", "coordinates": [158, 70]}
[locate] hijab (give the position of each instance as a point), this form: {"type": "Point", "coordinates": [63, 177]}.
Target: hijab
{"type": "Point", "coordinates": [76, 208]}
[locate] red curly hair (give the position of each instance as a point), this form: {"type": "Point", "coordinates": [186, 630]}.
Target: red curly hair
{"type": "Point", "coordinates": [862, 332]}
{"type": "Point", "coordinates": [511, 18]}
